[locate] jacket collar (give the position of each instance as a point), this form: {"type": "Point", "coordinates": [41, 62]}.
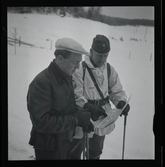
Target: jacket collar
{"type": "Point", "coordinates": [91, 65]}
{"type": "Point", "coordinates": [58, 73]}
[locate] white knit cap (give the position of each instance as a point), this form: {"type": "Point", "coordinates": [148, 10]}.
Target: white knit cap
{"type": "Point", "coordinates": [70, 45]}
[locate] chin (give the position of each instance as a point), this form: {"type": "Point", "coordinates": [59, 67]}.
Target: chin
{"type": "Point", "coordinates": [99, 65]}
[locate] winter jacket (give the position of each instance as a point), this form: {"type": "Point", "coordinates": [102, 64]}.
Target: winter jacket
{"type": "Point", "coordinates": [85, 89]}
{"type": "Point", "coordinates": [51, 102]}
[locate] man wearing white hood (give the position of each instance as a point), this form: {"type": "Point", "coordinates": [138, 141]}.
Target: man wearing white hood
{"type": "Point", "coordinates": [95, 95]}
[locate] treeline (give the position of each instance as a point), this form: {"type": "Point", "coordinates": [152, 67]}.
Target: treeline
{"type": "Point", "coordinates": [116, 21]}
{"type": "Point", "coordinates": [92, 13]}
{"type": "Point", "coordinates": [74, 11]}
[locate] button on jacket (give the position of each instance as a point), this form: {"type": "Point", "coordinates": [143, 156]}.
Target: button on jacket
{"type": "Point", "coordinates": [51, 102]}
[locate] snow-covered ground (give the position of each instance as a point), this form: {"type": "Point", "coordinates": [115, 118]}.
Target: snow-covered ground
{"type": "Point", "coordinates": [133, 60]}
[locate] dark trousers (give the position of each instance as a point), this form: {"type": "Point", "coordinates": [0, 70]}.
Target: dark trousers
{"type": "Point", "coordinates": [51, 155]}
{"type": "Point", "coordinates": [95, 147]}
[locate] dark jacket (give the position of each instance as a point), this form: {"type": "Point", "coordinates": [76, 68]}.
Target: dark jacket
{"type": "Point", "coordinates": [51, 103]}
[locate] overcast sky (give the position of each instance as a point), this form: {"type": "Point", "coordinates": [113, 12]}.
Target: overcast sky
{"type": "Point", "coordinates": [134, 12]}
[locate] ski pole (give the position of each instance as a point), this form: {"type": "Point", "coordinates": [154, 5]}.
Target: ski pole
{"type": "Point", "coordinates": [125, 120]}
{"type": "Point", "coordinates": [75, 147]}
{"type": "Point", "coordinates": [87, 145]}
{"type": "Point", "coordinates": [84, 146]}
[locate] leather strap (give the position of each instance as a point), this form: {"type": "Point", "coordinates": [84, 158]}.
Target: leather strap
{"type": "Point", "coordinates": [99, 102]}
{"type": "Point", "coordinates": [94, 81]}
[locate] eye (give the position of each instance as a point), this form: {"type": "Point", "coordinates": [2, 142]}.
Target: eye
{"type": "Point", "coordinates": [75, 62]}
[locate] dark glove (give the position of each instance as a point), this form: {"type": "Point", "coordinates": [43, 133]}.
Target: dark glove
{"type": "Point", "coordinates": [120, 105]}
{"type": "Point", "coordinates": [83, 118]}
{"type": "Point", "coordinates": [96, 111]}
{"type": "Point", "coordinates": [89, 128]}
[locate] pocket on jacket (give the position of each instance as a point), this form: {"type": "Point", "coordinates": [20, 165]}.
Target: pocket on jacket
{"type": "Point", "coordinates": [52, 142]}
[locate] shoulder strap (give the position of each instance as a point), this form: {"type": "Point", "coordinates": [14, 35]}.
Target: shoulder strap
{"type": "Point", "coordinates": [84, 68]}
{"type": "Point", "coordinates": [108, 70]}
{"type": "Point", "coordinates": [94, 81]}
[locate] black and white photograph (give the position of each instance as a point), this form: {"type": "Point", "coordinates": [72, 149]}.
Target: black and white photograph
{"type": "Point", "coordinates": [81, 82]}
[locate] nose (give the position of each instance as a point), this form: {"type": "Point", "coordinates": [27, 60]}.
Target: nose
{"type": "Point", "coordinates": [103, 57]}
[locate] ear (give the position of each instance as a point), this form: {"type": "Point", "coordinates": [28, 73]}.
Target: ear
{"type": "Point", "coordinates": [60, 58]}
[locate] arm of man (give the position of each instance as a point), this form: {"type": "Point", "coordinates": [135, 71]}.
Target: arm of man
{"type": "Point", "coordinates": [44, 120]}
{"type": "Point", "coordinates": [115, 89]}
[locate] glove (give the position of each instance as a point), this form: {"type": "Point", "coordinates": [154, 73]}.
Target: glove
{"type": "Point", "coordinates": [120, 105]}
{"type": "Point", "coordinates": [83, 118]}
{"type": "Point", "coordinates": [89, 128]}
{"type": "Point", "coordinates": [96, 111]}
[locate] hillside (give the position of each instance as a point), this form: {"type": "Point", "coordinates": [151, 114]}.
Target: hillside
{"type": "Point", "coordinates": [132, 55]}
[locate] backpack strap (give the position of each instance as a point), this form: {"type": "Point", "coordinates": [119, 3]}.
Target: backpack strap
{"type": "Point", "coordinates": [84, 68]}
{"type": "Point", "coordinates": [94, 81]}
{"type": "Point", "coordinates": [108, 71]}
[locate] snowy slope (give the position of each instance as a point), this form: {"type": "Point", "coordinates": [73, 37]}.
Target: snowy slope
{"type": "Point", "coordinates": [133, 60]}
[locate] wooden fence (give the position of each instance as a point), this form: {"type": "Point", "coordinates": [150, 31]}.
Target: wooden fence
{"type": "Point", "coordinates": [12, 41]}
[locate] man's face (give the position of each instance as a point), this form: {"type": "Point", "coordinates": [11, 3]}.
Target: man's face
{"type": "Point", "coordinates": [70, 64]}
{"type": "Point", "coordinates": [98, 58]}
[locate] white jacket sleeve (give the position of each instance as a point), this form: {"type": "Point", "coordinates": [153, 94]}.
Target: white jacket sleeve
{"type": "Point", "coordinates": [79, 88]}
{"type": "Point", "coordinates": [115, 89]}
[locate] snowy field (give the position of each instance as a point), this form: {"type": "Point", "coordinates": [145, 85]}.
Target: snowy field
{"type": "Point", "coordinates": [132, 59]}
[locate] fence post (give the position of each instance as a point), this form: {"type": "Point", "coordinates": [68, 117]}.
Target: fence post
{"type": "Point", "coordinates": [51, 45]}
{"type": "Point", "coordinates": [20, 41]}
{"type": "Point", "coordinates": [145, 33]}
{"type": "Point", "coordinates": [129, 54]}
{"type": "Point", "coordinates": [14, 34]}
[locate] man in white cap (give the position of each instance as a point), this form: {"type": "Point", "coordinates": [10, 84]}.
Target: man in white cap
{"type": "Point", "coordinates": [95, 93]}
{"type": "Point", "coordinates": [51, 104]}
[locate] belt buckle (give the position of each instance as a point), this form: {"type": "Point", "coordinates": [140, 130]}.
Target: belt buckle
{"type": "Point", "coordinates": [97, 102]}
